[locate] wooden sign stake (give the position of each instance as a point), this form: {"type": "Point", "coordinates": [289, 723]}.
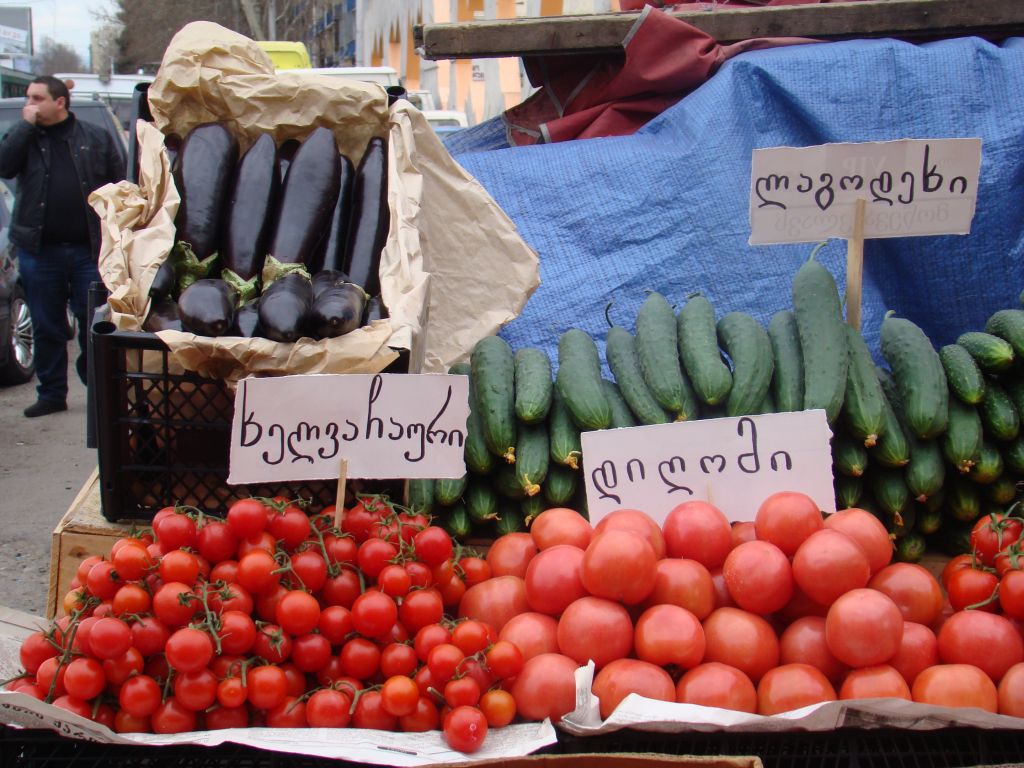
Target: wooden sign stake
{"type": "Point", "coordinates": [855, 267]}
{"type": "Point", "coordinates": [339, 498]}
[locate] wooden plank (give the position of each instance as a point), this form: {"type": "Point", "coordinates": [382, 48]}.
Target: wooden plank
{"type": "Point", "coordinates": [604, 33]}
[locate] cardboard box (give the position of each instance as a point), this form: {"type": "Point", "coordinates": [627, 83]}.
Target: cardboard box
{"type": "Point", "coordinates": [83, 531]}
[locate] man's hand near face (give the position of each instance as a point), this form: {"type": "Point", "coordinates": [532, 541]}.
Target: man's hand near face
{"type": "Point", "coordinates": [30, 113]}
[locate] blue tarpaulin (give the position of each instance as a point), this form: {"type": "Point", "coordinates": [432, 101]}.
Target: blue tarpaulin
{"type": "Point", "coordinates": [666, 208]}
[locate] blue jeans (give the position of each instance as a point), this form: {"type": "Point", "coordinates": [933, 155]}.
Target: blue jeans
{"type": "Point", "coordinates": [52, 277]}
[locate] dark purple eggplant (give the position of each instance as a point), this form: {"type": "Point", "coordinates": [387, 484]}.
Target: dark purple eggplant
{"type": "Point", "coordinates": [328, 278]}
{"type": "Point", "coordinates": [163, 316]}
{"type": "Point", "coordinates": [172, 143]}
{"type": "Point", "coordinates": [375, 310]}
{"type": "Point", "coordinates": [251, 206]}
{"type": "Point", "coordinates": [307, 199]}
{"type": "Point", "coordinates": [368, 228]}
{"type": "Point", "coordinates": [207, 307]}
{"type": "Point", "coordinates": [284, 307]}
{"type": "Point", "coordinates": [206, 166]}
{"type": "Point", "coordinates": [163, 283]}
{"type": "Point", "coordinates": [247, 320]}
{"type": "Point", "coordinates": [331, 251]}
{"type": "Point", "coordinates": [337, 310]}
{"type": "Point", "coordinates": [285, 153]}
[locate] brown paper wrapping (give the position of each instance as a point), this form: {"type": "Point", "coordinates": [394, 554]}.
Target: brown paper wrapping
{"type": "Point", "coordinates": [451, 255]}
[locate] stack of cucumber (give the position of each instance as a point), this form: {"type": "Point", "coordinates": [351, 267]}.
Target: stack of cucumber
{"type": "Point", "coordinates": [928, 444]}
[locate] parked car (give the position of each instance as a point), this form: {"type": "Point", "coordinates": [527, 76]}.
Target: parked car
{"type": "Point", "coordinates": [17, 342]}
{"type": "Point", "coordinates": [91, 111]}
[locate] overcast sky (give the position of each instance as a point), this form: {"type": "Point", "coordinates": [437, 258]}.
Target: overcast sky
{"type": "Point", "coordinates": [66, 21]}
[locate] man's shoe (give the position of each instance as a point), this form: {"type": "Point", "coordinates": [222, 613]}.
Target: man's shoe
{"type": "Point", "coordinates": [44, 408]}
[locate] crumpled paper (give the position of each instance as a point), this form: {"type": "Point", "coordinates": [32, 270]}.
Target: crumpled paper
{"type": "Point", "coordinates": [452, 256]}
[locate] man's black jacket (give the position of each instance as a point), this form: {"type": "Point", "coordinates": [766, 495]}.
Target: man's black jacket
{"type": "Point", "coordinates": [22, 155]}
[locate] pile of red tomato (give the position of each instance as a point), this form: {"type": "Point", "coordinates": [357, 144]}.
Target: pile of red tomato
{"type": "Point", "coordinates": [272, 617]}
{"type": "Point", "coordinates": [767, 616]}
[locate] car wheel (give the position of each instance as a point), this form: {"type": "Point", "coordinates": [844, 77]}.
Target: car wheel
{"type": "Point", "coordinates": [21, 365]}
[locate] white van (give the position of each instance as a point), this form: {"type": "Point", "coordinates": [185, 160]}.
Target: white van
{"type": "Point", "coordinates": [385, 76]}
{"type": "Point", "coordinates": [116, 91]}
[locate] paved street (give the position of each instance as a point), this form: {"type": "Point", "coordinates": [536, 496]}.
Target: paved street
{"type": "Point", "coordinates": [43, 464]}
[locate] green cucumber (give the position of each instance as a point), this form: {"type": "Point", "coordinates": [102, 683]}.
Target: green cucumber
{"type": "Point", "coordinates": [904, 523]}
{"type": "Point", "coordinates": [459, 369]}
{"type": "Point", "coordinates": [998, 414]}
{"type": "Point", "coordinates": [926, 470]}
{"type": "Point", "coordinates": [936, 501]}
{"type": "Point", "coordinates": [1008, 324]}
{"type": "Point", "coordinates": [848, 491]}
{"type": "Point", "coordinates": [479, 459]}
{"type": "Point", "coordinates": [1002, 491]}
{"type": "Point", "coordinates": [533, 384]}
{"type": "Point", "coordinates": [750, 350]}
{"type": "Point", "coordinates": [788, 376]}
{"type": "Point", "coordinates": [579, 380]}
{"type": "Point", "coordinates": [657, 346]}
{"type": "Point", "coordinates": [919, 376]}
{"type": "Point", "coordinates": [1015, 389]}
{"type": "Point", "coordinates": [448, 491]}
{"type": "Point", "coordinates": [533, 453]}
{"type": "Point", "coordinates": [510, 520]}
{"type": "Point", "coordinates": [963, 499]}
{"type": "Point", "coordinates": [819, 321]}
{"type": "Point", "coordinates": [954, 537]}
{"type": "Point", "coordinates": [1013, 455]}
{"type": "Point", "coordinates": [989, 466]}
{"type": "Point", "coordinates": [892, 448]}
{"type": "Point", "coordinates": [420, 495]}
{"type": "Point", "coordinates": [889, 488]}
{"type": "Point", "coordinates": [863, 403]}
{"type": "Point", "coordinates": [849, 456]}
{"type": "Point", "coordinates": [506, 481]}
{"type": "Point", "coordinates": [621, 415]}
{"type": "Point", "coordinates": [928, 520]}
{"type": "Point", "coordinates": [560, 485]}
{"type": "Point", "coordinates": [991, 352]}
{"type": "Point", "coordinates": [530, 507]}
{"type": "Point", "coordinates": [962, 441]}
{"type": "Point", "coordinates": [481, 501]}
{"type": "Point", "coordinates": [455, 520]}
{"type": "Point", "coordinates": [698, 348]}
{"type": "Point", "coordinates": [563, 434]}
{"type": "Point", "coordinates": [768, 404]}
{"type": "Point", "coordinates": [965, 378]}
{"type": "Point", "coordinates": [492, 376]}
{"type": "Point", "coordinates": [910, 548]}
{"type": "Point", "coordinates": [620, 349]}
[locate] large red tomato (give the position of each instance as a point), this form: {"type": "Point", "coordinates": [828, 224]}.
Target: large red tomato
{"type": "Point", "coordinates": [919, 649]}
{"type": "Point", "coordinates": [597, 629]}
{"type": "Point", "coordinates": [742, 640]}
{"type": "Point", "coordinates": [803, 642]}
{"type": "Point", "coordinates": [759, 577]}
{"type": "Point", "coordinates": [786, 519]}
{"type": "Point", "coordinates": [495, 601]}
{"type": "Point", "coordinates": [619, 565]}
{"type": "Point", "coordinates": [685, 583]}
{"type": "Point", "coordinates": [792, 686]}
{"type": "Point", "coordinates": [955, 685]}
{"type": "Point", "coordinates": [714, 684]}
{"type": "Point", "coordinates": [698, 531]}
{"type": "Point", "coordinates": [510, 554]}
{"type": "Point", "coordinates": [1011, 692]}
{"type": "Point", "coordinates": [992, 534]}
{"type": "Point", "coordinates": [668, 634]}
{"type": "Point", "coordinates": [868, 531]}
{"type": "Point", "coordinates": [863, 628]}
{"type": "Point", "coordinates": [914, 590]}
{"type": "Point", "coordinates": [879, 682]}
{"type": "Point", "coordinates": [639, 523]}
{"type": "Point", "coordinates": [828, 564]}
{"type": "Point", "coordinates": [560, 525]}
{"type": "Point", "coordinates": [987, 641]}
{"type": "Point", "coordinates": [554, 579]}
{"type": "Point", "coordinates": [546, 687]}
{"type": "Point", "coordinates": [533, 633]}
{"type": "Point", "coordinates": [622, 677]}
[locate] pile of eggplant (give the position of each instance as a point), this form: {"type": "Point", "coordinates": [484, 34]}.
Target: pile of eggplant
{"type": "Point", "coordinates": [283, 243]}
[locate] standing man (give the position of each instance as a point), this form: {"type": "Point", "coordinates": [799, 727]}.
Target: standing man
{"type": "Point", "coordinates": [58, 161]}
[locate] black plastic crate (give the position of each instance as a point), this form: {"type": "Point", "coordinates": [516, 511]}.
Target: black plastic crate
{"type": "Point", "coordinates": [162, 437]}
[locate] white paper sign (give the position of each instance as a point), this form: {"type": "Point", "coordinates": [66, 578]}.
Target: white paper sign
{"type": "Point", "coordinates": [290, 428]}
{"type": "Point", "coordinates": [910, 187]}
{"type": "Point", "coordinates": [734, 463]}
